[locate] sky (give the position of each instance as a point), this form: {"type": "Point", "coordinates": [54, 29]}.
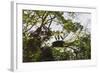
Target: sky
{"type": "Point", "coordinates": [83, 18]}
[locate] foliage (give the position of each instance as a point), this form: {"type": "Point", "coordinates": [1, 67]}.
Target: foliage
{"type": "Point", "coordinates": [37, 31]}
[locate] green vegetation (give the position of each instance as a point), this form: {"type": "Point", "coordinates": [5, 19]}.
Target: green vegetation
{"type": "Point", "coordinates": [42, 42]}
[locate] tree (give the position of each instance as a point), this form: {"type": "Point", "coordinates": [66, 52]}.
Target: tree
{"type": "Point", "coordinates": [37, 30]}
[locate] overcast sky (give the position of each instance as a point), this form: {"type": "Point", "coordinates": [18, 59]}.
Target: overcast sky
{"type": "Point", "coordinates": [83, 18]}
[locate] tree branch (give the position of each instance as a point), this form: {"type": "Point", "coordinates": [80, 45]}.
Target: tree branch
{"type": "Point", "coordinates": [30, 27]}
{"type": "Point", "coordinates": [51, 21]}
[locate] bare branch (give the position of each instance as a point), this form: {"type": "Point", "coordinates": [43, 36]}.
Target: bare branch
{"type": "Point", "coordinates": [30, 27]}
